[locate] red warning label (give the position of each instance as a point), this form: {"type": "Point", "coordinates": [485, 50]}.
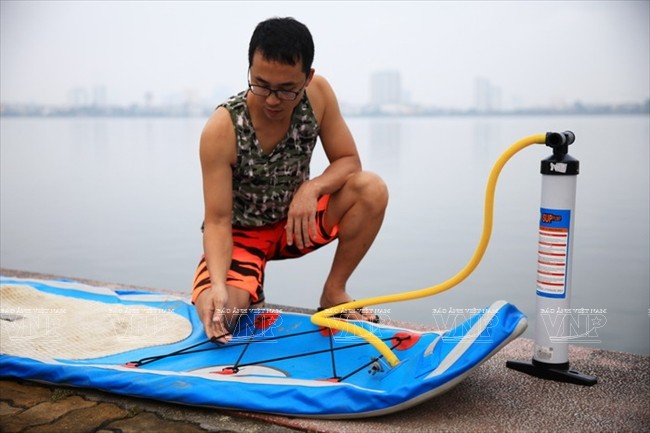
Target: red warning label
{"type": "Point", "coordinates": [553, 253]}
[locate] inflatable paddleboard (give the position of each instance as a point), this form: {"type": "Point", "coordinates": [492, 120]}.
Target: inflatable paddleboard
{"type": "Point", "coordinates": [152, 345]}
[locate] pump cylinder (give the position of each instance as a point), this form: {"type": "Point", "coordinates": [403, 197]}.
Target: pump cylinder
{"type": "Point", "coordinates": [554, 266]}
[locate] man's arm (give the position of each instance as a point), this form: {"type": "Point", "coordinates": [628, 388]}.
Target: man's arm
{"type": "Point", "coordinates": [217, 154]}
{"type": "Point", "coordinates": [341, 151]}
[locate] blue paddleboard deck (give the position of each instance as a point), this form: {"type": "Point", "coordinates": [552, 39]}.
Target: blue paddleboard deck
{"type": "Point", "coordinates": [152, 345]}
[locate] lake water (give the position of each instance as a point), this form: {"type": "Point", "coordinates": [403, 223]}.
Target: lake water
{"type": "Point", "coordinates": [119, 200]}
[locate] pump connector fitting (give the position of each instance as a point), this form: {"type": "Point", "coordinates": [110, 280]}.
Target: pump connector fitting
{"type": "Point", "coordinates": [559, 142]}
{"type": "Point", "coordinates": [560, 162]}
{"type": "Point", "coordinates": [555, 139]}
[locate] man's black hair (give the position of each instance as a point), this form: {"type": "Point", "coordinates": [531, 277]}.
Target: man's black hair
{"type": "Point", "coordinates": [283, 40]}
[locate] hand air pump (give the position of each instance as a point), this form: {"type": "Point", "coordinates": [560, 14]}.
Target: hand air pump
{"type": "Point", "coordinates": [559, 175]}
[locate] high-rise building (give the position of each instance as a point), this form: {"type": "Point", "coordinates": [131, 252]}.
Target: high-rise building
{"type": "Point", "coordinates": [78, 97]}
{"type": "Point", "coordinates": [487, 96]}
{"type": "Point", "coordinates": [386, 88]}
{"type": "Point", "coordinates": [99, 96]}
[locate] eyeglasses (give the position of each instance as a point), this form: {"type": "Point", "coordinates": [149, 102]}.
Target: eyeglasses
{"type": "Point", "coordinates": [283, 95]}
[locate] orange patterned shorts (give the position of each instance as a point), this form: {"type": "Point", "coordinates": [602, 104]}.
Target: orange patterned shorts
{"type": "Point", "coordinates": [254, 246]}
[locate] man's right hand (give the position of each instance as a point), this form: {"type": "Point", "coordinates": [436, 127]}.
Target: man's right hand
{"type": "Point", "coordinates": [211, 307]}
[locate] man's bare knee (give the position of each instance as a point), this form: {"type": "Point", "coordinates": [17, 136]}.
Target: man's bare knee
{"type": "Point", "coordinates": [371, 189]}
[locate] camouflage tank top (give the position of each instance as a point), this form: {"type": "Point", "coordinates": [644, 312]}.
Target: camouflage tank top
{"type": "Point", "coordinates": [263, 185]}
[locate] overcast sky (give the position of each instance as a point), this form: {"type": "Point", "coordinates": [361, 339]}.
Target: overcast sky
{"type": "Point", "coordinates": [547, 52]}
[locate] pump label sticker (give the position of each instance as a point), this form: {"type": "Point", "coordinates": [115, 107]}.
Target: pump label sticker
{"type": "Point", "coordinates": [553, 252]}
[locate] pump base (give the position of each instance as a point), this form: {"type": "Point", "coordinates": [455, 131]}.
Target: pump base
{"type": "Point", "coordinates": [558, 373]}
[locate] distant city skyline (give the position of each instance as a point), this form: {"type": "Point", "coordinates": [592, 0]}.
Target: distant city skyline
{"type": "Point", "coordinates": [387, 96]}
{"type": "Point", "coordinates": [385, 88]}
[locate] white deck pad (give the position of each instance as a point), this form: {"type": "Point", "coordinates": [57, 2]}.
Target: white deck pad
{"type": "Point", "coordinates": [41, 325]}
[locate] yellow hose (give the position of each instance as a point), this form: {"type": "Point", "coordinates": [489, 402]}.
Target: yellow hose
{"type": "Point", "coordinates": [323, 318]}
